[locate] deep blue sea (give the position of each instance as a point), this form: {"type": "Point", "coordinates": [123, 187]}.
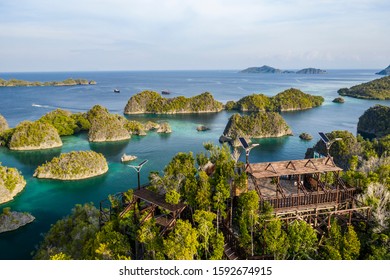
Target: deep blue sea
{"type": "Point", "coordinates": [50, 200]}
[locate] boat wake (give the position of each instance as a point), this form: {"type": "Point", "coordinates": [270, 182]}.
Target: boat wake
{"type": "Point", "coordinates": [40, 106]}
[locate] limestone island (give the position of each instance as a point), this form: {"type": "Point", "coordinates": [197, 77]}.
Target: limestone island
{"type": "Point", "coordinates": [338, 100]}
{"type": "Point", "coordinates": [376, 89]}
{"type": "Point", "coordinates": [150, 102]}
{"type": "Point", "coordinates": [385, 71]}
{"type": "Point", "coordinates": [3, 124]}
{"type": "Point", "coordinates": [289, 100]}
{"type": "Point", "coordinates": [375, 122]}
{"type": "Point", "coordinates": [73, 166]}
{"type": "Point", "coordinates": [11, 183]}
{"type": "Point", "coordinates": [32, 136]}
{"type": "Point", "coordinates": [305, 136]}
{"type": "Point", "coordinates": [256, 125]}
{"type": "Point", "coordinates": [67, 82]}
{"type": "Point", "coordinates": [311, 71]}
{"type": "Point", "coordinates": [106, 127]}
{"type": "Point", "coordinates": [164, 128]}
{"type": "Point", "coordinates": [11, 220]}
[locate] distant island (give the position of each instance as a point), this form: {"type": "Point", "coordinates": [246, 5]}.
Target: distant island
{"type": "Point", "coordinates": [67, 82]}
{"type": "Point", "coordinates": [73, 166]}
{"type": "Point", "coordinates": [11, 183]}
{"type": "Point", "coordinates": [150, 102]}
{"type": "Point", "coordinates": [256, 125]}
{"type": "Point", "coordinates": [376, 89]}
{"type": "Point", "coordinates": [375, 122]}
{"type": "Point", "coordinates": [272, 70]}
{"type": "Point", "coordinates": [385, 71]}
{"type": "Point", "coordinates": [289, 100]}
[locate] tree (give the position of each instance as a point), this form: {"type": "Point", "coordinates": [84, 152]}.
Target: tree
{"type": "Point", "coordinates": [182, 242]}
{"type": "Point", "coordinates": [221, 193]}
{"type": "Point", "coordinates": [148, 235]}
{"type": "Point", "coordinates": [351, 244]}
{"type": "Point", "coordinates": [206, 230]}
{"type": "Point", "coordinates": [333, 242]}
{"type": "Point", "coordinates": [302, 239]}
{"type": "Point", "coordinates": [203, 193]}
{"type": "Point", "coordinates": [275, 240]}
{"type": "Point", "coordinates": [248, 205]}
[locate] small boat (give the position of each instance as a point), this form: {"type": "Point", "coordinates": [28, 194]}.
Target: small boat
{"type": "Point", "coordinates": [125, 158]}
{"type": "Point", "coordinates": [165, 92]}
{"type": "Point", "coordinates": [117, 90]}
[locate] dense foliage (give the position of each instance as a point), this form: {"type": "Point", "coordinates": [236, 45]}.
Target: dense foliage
{"type": "Point", "coordinates": [62, 121]}
{"type": "Point", "coordinates": [257, 125]}
{"type": "Point", "coordinates": [32, 136]}
{"type": "Point", "coordinates": [288, 100]}
{"type": "Point", "coordinates": [376, 89]}
{"type": "Point", "coordinates": [67, 82]}
{"type": "Point", "coordinates": [375, 122]}
{"type": "Point", "coordinates": [73, 165]}
{"type": "Point", "coordinates": [10, 177]}
{"type": "Point", "coordinates": [152, 102]}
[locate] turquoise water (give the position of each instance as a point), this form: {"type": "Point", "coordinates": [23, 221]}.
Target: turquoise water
{"type": "Point", "coordinates": [50, 200]}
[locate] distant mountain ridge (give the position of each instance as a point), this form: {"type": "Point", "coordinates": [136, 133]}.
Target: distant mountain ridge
{"type": "Point", "coordinates": [385, 71]}
{"type": "Point", "coordinates": [272, 70]}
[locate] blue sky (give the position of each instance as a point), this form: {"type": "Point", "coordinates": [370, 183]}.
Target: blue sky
{"type": "Point", "coordinates": [71, 35]}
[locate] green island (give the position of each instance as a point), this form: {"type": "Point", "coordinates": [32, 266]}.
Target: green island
{"type": "Point", "coordinates": [11, 183]}
{"type": "Point", "coordinates": [289, 100]}
{"type": "Point", "coordinates": [305, 136]}
{"type": "Point", "coordinates": [376, 89]}
{"type": "Point", "coordinates": [375, 122]}
{"type": "Point", "coordinates": [265, 69]}
{"type": "Point", "coordinates": [29, 135]}
{"type": "Point", "coordinates": [256, 125]}
{"type": "Point", "coordinates": [22, 83]}
{"type": "Point", "coordinates": [12, 220]}
{"type": "Point", "coordinates": [153, 103]}
{"type": "Point", "coordinates": [73, 166]}
{"type": "Point", "coordinates": [338, 100]}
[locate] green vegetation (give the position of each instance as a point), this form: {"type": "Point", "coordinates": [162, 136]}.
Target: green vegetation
{"type": "Point", "coordinates": [3, 124]}
{"type": "Point", "coordinates": [73, 166]}
{"type": "Point", "coordinates": [256, 125]}
{"type": "Point", "coordinates": [288, 100]}
{"type": "Point", "coordinates": [376, 89]}
{"type": "Point", "coordinates": [106, 126]}
{"type": "Point", "coordinates": [62, 121]}
{"type": "Point", "coordinates": [375, 122]}
{"type": "Point", "coordinates": [32, 136]}
{"type": "Point", "coordinates": [152, 102]}
{"type": "Point", "coordinates": [305, 136]}
{"type": "Point", "coordinates": [338, 100]}
{"type": "Point", "coordinates": [67, 82]}
{"type": "Point", "coordinates": [11, 183]}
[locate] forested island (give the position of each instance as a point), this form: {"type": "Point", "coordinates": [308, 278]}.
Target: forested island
{"type": "Point", "coordinates": [289, 100]}
{"type": "Point", "coordinates": [11, 183]}
{"type": "Point", "coordinates": [67, 82]}
{"type": "Point", "coordinates": [271, 70]}
{"type": "Point", "coordinates": [376, 89]}
{"type": "Point", "coordinates": [150, 102]}
{"type": "Point", "coordinates": [73, 166]}
{"type": "Point", "coordinates": [375, 122]}
{"type": "Point", "coordinates": [256, 125]}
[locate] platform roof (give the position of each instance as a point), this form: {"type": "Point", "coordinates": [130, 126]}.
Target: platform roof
{"type": "Point", "coordinates": [291, 167]}
{"type": "Point", "coordinates": [157, 199]}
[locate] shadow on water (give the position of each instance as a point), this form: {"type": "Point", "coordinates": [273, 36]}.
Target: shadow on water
{"type": "Point", "coordinates": [111, 150]}
{"type": "Point", "coordinates": [34, 158]}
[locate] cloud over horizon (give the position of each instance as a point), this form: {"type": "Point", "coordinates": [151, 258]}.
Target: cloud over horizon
{"type": "Point", "coordinates": [45, 35]}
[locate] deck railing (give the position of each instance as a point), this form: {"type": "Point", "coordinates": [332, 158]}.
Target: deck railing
{"type": "Point", "coordinates": [311, 199]}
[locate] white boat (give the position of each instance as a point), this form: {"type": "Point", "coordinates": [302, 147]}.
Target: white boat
{"type": "Point", "coordinates": [125, 158]}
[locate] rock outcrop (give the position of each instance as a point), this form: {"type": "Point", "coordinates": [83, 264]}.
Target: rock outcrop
{"type": "Point", "coordinates": [256, 125]}
{"type": "Point", "coordinates": [305, 136]}
{"type": "Point", "coordinates": [338, 100]}
{"type": "Point", "coordinates": [164, 128]}
{"type": "Point", "coordinates": [11, 183]}
{"type": "Point", "coordinates": [106, 127]}
{"type": "Point", "coordinates": [13, 220]}
{"type": "Point", "coordinates": [375, 122]}
{"type": "Point", "coordinates": [385, 71]}
{"type": "Point", "coordinates": [34, 136]}
{"type": "Point", "coordinates": [73, 166]}
{"type": "Point", "coordinates": [150, 102]}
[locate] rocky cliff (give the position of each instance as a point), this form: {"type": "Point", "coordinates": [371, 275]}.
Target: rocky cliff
{"type": "Point", "coordinates": [11, 183]}
{"type": "Point", "coordinates": [3, 124]}
{"type": "Point", "coordinates": [34, 136]}
{"type": "Point", "coordinates": [73, 166]}
{"type": "Point", "coordinates": [256, 125]}
{"type": "Point", "coordinates": [14, 220]}
{"type": "Point", "coordinates": [375, 122]}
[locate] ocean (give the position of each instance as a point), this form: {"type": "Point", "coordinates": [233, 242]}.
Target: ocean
{"type": "Point", "coordinates": [50, 200]}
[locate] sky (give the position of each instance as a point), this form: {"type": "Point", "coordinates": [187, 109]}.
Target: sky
{"type": "Point", "coordinates": [98, 35]}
